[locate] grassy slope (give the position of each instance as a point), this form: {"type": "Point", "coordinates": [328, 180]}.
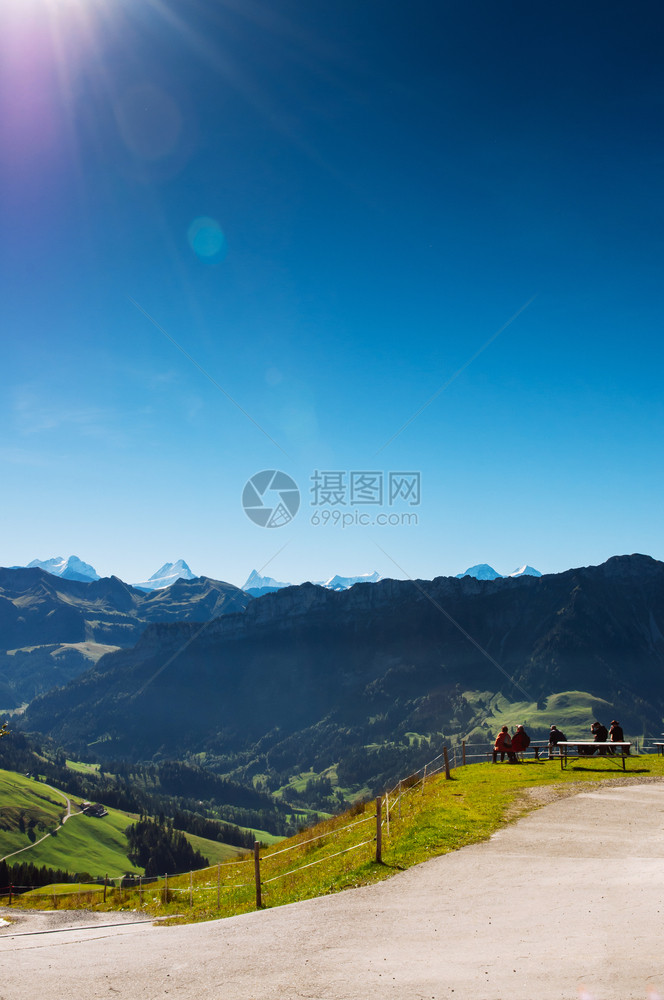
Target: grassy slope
{"type": "Point", "coordinates": [22, 796]}
{"type": "Point", "coordinates": [441, 817]}
{"type": "Point", "coordinates": [87, 844]}
{"type": "Point", "coordinates": [572, 711]}
{"type": "Point", "coordinates": [215, 852]}
{"type": "Point", "coordinates": [84, 843]}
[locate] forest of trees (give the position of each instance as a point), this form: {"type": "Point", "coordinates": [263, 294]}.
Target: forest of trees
{"type": "Point", "coordinates": [155, 846]}
{"type": "Point", "coordinates": [166, 787]}
{"type": "Point", "coordinates": [24, 875]}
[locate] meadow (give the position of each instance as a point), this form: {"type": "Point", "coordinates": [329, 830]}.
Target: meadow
{"type": "Point", "coordinates": [426, 819]}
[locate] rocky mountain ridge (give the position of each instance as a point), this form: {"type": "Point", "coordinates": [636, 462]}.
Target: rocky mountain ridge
{"type": "Point", "coordinates": [53, 628]}
{"type": "Point", "coordinates": [306, 672]}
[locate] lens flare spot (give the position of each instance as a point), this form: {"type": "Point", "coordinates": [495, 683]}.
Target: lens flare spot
{"type": "Point", "coordinates": [206, 239]}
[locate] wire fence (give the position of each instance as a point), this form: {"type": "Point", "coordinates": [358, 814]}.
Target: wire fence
{"type": "Point", "coordinates": [246, 881]}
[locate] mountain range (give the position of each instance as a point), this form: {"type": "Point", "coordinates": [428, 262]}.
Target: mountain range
{"type": "Point", "coordinates": [485, 572]}
{"type": "Point", "coordinates": [53, 628]}
{"type": "Point", "coordinates": [166, 576]}
{"type": "Point", "coordinates": [257, 585]}
{"type": "Point", "coordinates": [311, 677]}
{"type": "Point", "coordinates": [74, 568]}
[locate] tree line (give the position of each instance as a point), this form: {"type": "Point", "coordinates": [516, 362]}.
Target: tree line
{"type": "Point", "coordinates": [24, 875]}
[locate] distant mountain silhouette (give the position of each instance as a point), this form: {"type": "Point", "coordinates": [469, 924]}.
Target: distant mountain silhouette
{"type": "Point", "coordinates": [72, 568]}
{"type": "Point", "coordinates": [166, 576]}
{"type": "Point", "coordinates": [57, 627]}
{"type": "Point", "coordinates": [305, 674]}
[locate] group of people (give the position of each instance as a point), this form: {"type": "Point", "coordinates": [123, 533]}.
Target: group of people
{"type": "Point", "coordinates": [602, 735]}
{"type": "Point", "coordinates": [510, 746]}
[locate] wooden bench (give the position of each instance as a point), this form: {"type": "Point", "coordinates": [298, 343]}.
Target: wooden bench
{"type": "Point", "coordinates": [537, 746]}
{"type": "Point", "coordinates": [589, 749]}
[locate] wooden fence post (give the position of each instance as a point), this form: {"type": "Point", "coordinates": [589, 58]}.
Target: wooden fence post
{"type": "Point", "coordinates": [379, 845]}
{"type": "Point", "coordinates": [11, 890]}
{"type": "Point", "coordinates": [140, 890]}
{"type": "Point", "coordinates": [424, 778]}
{"type": "Point", "coordinates": [257, 874]}
{"type": "Point", "coordinates": [105, 884]}
{"type": "Point", "coordinates": [447, 764]}
{"type": "Point", "coordinates": [218, 886]}
{"type": "Point", "coordinates": [191, 888]}
{"type": "Point", "coordinates": [399, 798]}
{"type": "Point", "coordinates": [463, 752]}
{"type": "Point", "coordinates": [165, 888]}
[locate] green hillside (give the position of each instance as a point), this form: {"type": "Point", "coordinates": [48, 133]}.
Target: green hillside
{"type": "Point", "coordinates": [28, 810]}
{"type": "Point", "coordinates": [427, 818]}
{"type": "Point", "coordinates": [571, 711]}
{"type": "Point", "coordinates": [87, 844]}
{"type": "Point", "coordinates": [97, 846]}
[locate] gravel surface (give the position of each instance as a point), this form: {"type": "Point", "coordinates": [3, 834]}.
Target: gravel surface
{"type": "Point", "coordinates": [565, 902]}
{"type": "Point", "coordinates": [54, 920]}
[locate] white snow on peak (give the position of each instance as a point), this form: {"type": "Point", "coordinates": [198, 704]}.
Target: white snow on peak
{"type": "Point", "coordinates": [71, 568]}
{"type": "Point", "coordinates": [525, 571]}
{"type": "Point", "coordinates": [256, 581]}
{"type": "Point", "coordinates": [485, 572]}
{"type": "Point", "coordinates": [344, 582]}
{"type": "Point", "coordinates": [166, 576]}
{"type": "Point", "coordinates": [481, 572]}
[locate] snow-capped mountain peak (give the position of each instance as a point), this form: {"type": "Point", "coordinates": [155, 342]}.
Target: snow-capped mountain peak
{"type": "Point", "coordinates": [485, 572]}
{"type": "Point", "coordinates": [256, 581]}
{"type": "Point", "coordinates": [167, 575]}
{"type": "Point", "coordinates": [525, 571]}
{"type": "Point", "coordinates": [481, 572]}
{"type": "Point", "coordinates": [72, 568]}
{"type": "Point", "coordinates": [344, 582]}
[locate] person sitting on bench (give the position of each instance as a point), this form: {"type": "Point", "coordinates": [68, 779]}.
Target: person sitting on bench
{"type": "Point", "coordinates": [555, 737]}
{"type": "Point", "coordinates": [600, 734]}
{"type": "Point", "coordinates": [616, 734]}
{"type": "Point", "coordinates": [520, 741]}
{"type": "Point", "coordinates": [503, 745]}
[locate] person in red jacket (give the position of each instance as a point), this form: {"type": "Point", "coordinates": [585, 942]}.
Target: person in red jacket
{"type": "Point", "coordinates": [520, 741]}
{"type": "Point", "coordinates": [503, 745]}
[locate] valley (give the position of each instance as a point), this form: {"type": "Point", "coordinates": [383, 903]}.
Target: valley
{"type": "Point", "coordinates": [267, 714]}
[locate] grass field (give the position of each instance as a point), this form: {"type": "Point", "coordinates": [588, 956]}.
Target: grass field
{"type": "Point", "coordinates": [96, 846]}
{"type": "Point", "coordinates": [429, 820]}
{"type": "Point", "coordinates": [81, 767]}
{"type": "Point", "coordinates": [215, 852]}
{"type": "Point", "coordinates": [571, 711]}
{"type": "Point", "coordinates": [25, 805]}
{"type": "Point", "coordinates": [87, 844]}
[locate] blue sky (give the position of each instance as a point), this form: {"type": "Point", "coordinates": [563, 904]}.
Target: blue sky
{"type": "Point", "coordinates": [241, 236]}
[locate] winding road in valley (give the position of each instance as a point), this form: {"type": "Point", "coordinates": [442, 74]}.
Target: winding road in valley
{"type": "Point", "coordinates": [568, 902]}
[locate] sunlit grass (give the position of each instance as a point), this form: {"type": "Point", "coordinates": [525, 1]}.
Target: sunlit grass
{"type": "Point", "coordinates": [426, 822]}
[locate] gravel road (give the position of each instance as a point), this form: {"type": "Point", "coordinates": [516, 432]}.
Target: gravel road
{"type": "Point", "coordinates": [567, 902]}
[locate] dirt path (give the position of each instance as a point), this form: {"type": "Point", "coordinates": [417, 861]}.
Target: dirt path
{"type": "Point", "coordinates": [66, 816]}
{"type": "Point", "coordinates": [566, 902]}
